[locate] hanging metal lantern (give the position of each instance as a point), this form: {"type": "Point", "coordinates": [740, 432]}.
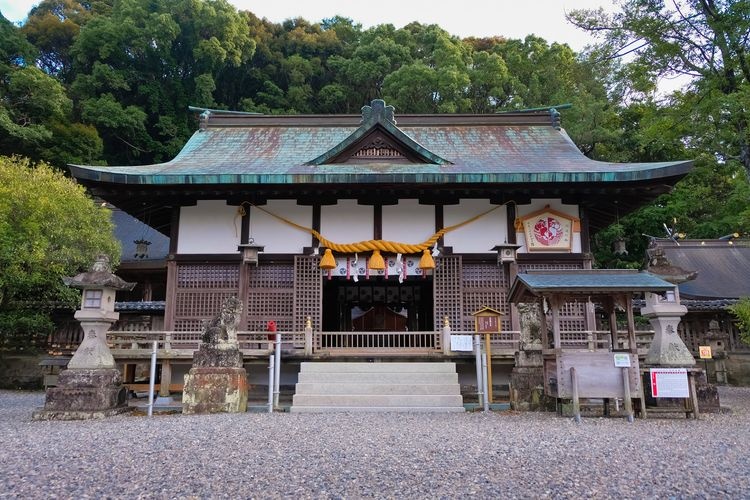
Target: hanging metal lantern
{"type": "Point", "coordinates": [618, 247]}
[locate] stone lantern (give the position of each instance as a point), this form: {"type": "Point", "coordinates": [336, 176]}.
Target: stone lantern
{"type": "Point", "coordinates": [91, 386]}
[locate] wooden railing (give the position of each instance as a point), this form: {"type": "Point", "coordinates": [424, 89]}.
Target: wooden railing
{"type": "Point", "coordinates": [129, 344]}
{"type": "Point", "coordinates": [183, 344]}
{"type": "Point", "coordinates": [594, 340]}
{"type": "Point", "coordinates": [377, 342]}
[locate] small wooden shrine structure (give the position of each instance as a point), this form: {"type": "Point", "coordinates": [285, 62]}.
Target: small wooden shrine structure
{"type": "Point", "coordinates": [591, 367]}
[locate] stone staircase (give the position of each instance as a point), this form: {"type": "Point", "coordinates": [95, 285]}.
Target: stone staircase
{"type": "Point", "coordinates": [377, 387]}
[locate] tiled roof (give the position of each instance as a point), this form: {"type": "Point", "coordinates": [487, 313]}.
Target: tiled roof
{"type": "Point", "coordinates": [601, 281]}
{"type": "Point", "coordinates": [140, 306]}
{"type": "Point", "coordinates": [256, 149]}
{"type": "Point", "coordinates": [129, 229]}
{"type": "Point", "coordinates": [723, 267]}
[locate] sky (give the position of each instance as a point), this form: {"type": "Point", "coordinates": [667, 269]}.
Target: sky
{"type": "Point", "coordinates": [508, 18]}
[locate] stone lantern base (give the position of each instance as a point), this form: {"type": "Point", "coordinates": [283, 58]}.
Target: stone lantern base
{"type": "Point", "coordinates": [83, 394]}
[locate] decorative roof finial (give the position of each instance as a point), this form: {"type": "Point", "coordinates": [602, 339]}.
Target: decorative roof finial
{"type": "Point", "coordinates": [555, 116]}
{"type": "Point", "coordinates": [203, 119]}
{"type": "Point", "coordinates": [378, 111]}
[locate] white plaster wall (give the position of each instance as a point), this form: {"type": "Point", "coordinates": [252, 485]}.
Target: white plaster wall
{"type": "Point", "coordinates": [482, 234]}
{"type": "Point", "coordinates": [408, 222]}
{"type": "Point", "coordinates": [347, 222]}
{"type": "Point", "coordinates": [277, 236]}
{"type": "Point", "coordinates": [555, 204]}
{"type": "Point", "coordinates": [211, 226]}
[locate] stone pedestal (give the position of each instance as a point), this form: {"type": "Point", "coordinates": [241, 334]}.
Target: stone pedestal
{"type": "Point", "coordinates": [85, 394]}
{"type": "Point", "coordinates": [215, 390]}
{"type": "Point", "coordinates": [217, 382]}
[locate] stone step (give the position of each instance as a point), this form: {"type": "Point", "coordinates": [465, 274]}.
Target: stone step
{"type": "Point", "coordinates": [376, 409]}
{"type": "Point", "coordinates": [378, 388]}
{"type": "Point", "coordinates": [375, 378]}
{"type": "Point", "coordinates": [378, 400]}
{"type": "Point", "coordinates": [387, 367]}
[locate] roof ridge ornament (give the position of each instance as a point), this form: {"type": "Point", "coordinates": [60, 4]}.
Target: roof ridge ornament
{"type": "Point", "coordinates": [377, 111]}
{"type": "Point", "coordinates": [555, 117]}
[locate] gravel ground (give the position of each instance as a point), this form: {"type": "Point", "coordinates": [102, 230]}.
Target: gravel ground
{"type": "Point", "coordinates": [256, 455]}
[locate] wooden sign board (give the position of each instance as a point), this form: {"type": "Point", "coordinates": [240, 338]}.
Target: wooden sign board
{"type": "Point", "coordinates": [487, 320]}
{"type": "Point", "coordinates": [705, 351]}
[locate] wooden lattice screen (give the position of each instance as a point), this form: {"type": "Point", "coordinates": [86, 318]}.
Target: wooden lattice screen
{"type": "Point", "coordinates": [484, 284]}
{"type": "Point", "coordinates": [201, 290]}
{"type": "Point", "coordinates": [572, 314]}
{"type": "Point", "coordinates": [270, 297]}
{"type": "Point", "coordinates": [447, 291]}
{"type": "Point", "coordinates": [308, 292]}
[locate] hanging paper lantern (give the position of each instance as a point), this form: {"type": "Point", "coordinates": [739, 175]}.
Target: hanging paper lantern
{"type": "Point", "coordinates": [328, 262]}
{"type": "Point", "coordinates": [426, 262]}
{"type": "Point", "coordinates": [376, 261]}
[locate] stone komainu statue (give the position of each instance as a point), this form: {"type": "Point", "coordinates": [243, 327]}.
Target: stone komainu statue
{"type": "Point", "coordinates": [222, 330]}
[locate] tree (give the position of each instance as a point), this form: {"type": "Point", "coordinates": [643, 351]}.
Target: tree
{"type": "Point", "coordinates": [35, 111]}
{"type": "Point", "coordinates": [706, 40]}
{"type": "Point", "coordinates": [138, 69]}
{"type": "Point", "coordinates": [741, 311]}
{"type": "Point", "coordinates": [49, 228]}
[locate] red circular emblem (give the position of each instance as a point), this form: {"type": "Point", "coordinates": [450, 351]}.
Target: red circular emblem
{"type": "Point", "coordinates": [548, 231]}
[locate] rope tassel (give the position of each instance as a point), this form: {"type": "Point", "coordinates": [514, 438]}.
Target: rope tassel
{"type": "Point", "coordinates": [328, 262]}
{"type": "Point", "coordinates": [426, 262]}
{"type": "Point", "coordinates": [376, 261]}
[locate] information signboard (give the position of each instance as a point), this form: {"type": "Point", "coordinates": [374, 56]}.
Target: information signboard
{"type": "Point", "coordinates": [461, 343]}
{"type": "Point", "coordinates": [622, 360]}
{"type": "Point", "coordinates": [669, 383]}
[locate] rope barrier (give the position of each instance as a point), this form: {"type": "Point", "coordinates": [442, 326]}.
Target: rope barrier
{"type": "Point", "coordinates": [372, 245]}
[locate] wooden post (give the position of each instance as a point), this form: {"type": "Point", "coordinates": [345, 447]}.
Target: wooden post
{"type": "Point", "coordinates": [488, 350]}
{"type": "Point", "coordinates": [631, 324]}
{"type": "Point", "coordinates": [576, 401]}
{"type": "Point", "coordinates": [308, 336]}
{"type": "Point", "coordinates": [627, 400]}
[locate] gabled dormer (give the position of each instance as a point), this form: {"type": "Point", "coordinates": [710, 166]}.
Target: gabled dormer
{"type": "Point", "coordinates": [378, 139]}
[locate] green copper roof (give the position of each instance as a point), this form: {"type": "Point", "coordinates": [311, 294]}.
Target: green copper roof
{"type": "Point", "coordinates": [593, 282]}
{"type": "Point", "coordinates": [232, 148]}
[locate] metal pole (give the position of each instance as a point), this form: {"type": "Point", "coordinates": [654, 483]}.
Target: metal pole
{"type": "Point", "coordinates": [485, 398]}
{"type": "Point", "coordinates": [277, 375]}
{"type": "Point", "coordinates": [478, 356]}
{"type": "Point", "coordinates": [488, 371]}
{"type": "Point", "coordinates": [271, 371]}
{"type": "Point", "coordinates": [152, 381]}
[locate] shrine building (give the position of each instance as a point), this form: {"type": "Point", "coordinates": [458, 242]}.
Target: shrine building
{"type": "Point", "coordinates": [373, 232]}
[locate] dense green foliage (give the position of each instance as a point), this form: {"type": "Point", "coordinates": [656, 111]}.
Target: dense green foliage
{"type": "Point", "coordinates": [705, 41]}
{"type": "Point", "coordinates": [741, 311]}
{"type": "Point", "coordinates": [116, 78]}
{"type": "Point", "coordinates": [49, 228]}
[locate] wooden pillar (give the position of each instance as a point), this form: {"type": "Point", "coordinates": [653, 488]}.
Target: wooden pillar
{"type": "Point", "coordinates": [631, 323]}
{"type": "Point", "coordinates": [244, 292]}
{"type": "Point", "coordinates": [171, 295]}
{"type": "Point", "coordinates": [171, 292]}
{"type": "Point", "coordinates": [609, 308]}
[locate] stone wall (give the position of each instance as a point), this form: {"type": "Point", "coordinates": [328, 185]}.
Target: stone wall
{"type": "Point", "coordinates": [21, 372]}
